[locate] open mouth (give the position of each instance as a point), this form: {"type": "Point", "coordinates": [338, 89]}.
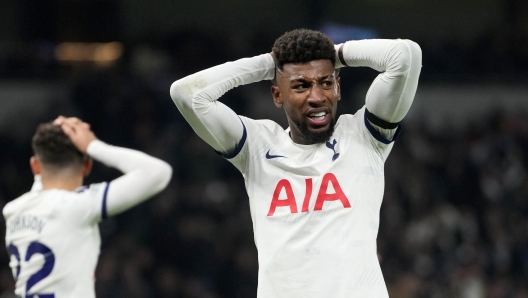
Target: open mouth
{"type": "Point", "coordinates": [318, 116]}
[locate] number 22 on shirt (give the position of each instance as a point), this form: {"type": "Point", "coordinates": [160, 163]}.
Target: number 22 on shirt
{"type": "Point", "coordinates": [49, 261]}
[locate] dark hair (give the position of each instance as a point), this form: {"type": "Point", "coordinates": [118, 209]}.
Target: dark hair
{"type": "Point", "coordinates": [54, 149]}
{"type": "Point", "coordinates": [303, 45]}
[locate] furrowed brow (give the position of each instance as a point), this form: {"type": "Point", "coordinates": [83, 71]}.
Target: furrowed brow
{"type": "Point", "coordinates": [300, 80]}
{"type": "Point", "coordinates": [304, 80]}
{"type": "Point", "coordinates": [316, 79]}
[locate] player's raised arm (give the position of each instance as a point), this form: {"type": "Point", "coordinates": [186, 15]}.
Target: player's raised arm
{"type": "Point", "coordinates": [196, 97]}
{"type": "Point", "coordinates": [391, 94]}
{"type": "Point", "coordinates": [144, 175]}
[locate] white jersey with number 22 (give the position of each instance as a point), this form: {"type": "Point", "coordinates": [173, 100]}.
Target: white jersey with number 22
{"type": "Point", "coordinates": [52, 236]}
{"type": "Point", "coordinates": [53, 239]}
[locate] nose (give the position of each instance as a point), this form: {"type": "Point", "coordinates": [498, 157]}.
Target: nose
{"type": "Point", "coordinates": [316, 95]}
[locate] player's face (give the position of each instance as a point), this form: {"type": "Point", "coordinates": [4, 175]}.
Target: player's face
{"type": "Point", "coordinates": [309, 93]}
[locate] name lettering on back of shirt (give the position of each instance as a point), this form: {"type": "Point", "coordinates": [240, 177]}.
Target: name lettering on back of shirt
{"type": "Point", "coordinates": [25, 222]}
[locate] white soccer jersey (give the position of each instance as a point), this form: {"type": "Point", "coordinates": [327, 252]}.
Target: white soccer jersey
{"type": "Point", "coordinates": [52, 235]}
{"type": "Point", "coordinates": [315, 209]}
{"type": "Point", "coordinates": [53, 239]}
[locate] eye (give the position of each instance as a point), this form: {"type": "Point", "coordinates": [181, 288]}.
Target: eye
{"type": "Point", "coordinates": [301, 87]}
{"type": "Point", "coordinates": [327, 84]}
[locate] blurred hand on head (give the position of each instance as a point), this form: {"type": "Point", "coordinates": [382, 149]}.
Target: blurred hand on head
{"type": "Point", "coordinates": [78, 131]}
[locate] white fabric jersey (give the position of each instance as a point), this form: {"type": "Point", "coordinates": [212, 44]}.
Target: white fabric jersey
{"type": "Point", "coordinates": [53, 239]}
{"type": "Point", "coordinates": [52, 235]}
{"type": "Point", "coordinates": [315, 208]}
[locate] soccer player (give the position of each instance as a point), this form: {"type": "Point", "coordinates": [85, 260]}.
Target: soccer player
{"type": "Point", "coordinates": [52, 233]}
{"type": "Point", "coordinates": [315, 188]}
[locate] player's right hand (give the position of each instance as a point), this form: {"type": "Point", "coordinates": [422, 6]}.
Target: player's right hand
{"type": "Point", "coordinates": [78, 131]}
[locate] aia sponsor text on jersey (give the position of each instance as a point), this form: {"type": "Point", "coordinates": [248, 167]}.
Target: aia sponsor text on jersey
{"type": "Point", "coordinates": [284, 197]}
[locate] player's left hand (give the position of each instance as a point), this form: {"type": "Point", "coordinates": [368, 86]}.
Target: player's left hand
{"type": "Point", "coordinates": [78, 131]}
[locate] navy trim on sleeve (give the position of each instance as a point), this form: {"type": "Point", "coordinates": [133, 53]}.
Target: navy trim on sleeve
{"type": "Point", "coordinates": [377, 135]}
{"type": "Point", "coordinates": [103, 209]}
{"type": "Point", "coordinates": [82, 189]}
{"type": "Point", "coordinates": [238, 147]}
{"type": "Point", "coordinates": [380, 122]}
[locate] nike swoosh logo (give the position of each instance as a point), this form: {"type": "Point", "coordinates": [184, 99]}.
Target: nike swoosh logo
{"type": "Point", "coordinates": [268, 156]}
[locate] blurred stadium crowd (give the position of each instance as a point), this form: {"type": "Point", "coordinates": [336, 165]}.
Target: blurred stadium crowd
{"type": "Point", "coordinates": [454, 221]}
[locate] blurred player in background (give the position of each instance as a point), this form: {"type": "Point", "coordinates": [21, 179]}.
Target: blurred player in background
{"type": "Point", "coordinates": [315, 188]}
{"type": "Point", "coordinates": [52, 231]}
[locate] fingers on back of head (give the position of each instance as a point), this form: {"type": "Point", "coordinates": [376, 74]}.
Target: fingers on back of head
{"type": "Point", "coordinates": [75, 120]}
{"type": "Point", "coordinates": [59, 120]}
{"type": "Point", "coordinates": [68, 129]}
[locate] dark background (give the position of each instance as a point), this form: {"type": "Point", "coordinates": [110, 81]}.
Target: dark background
{"type": "Point", "coordinates": [454, 222]}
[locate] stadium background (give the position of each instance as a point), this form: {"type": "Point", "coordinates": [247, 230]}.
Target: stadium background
{"type": "Point", "coordinates": [454, 222]}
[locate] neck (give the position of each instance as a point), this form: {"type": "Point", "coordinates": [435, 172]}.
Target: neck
{"type": "Point", "coordinates": [300, 134]}
{"type": "Point", "coordinates": [62, 180]}
{"type": "Point", "coordinates": [296, 135]}
{"type": "Point", "coordinates": [299, 139]}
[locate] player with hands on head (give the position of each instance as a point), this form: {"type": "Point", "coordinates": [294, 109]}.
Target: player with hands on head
{"type": "Point", "coordinates": [316, 187]}
{"type": "Point", "coordinates": [52, 232]}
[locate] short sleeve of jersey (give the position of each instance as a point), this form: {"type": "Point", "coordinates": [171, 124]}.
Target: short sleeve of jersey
{"type": "Point", "coordinates": [240, 157]}
{"type": "Point", "coordinates": [359, 125]}
{"type": "Point", "coordinates": [257, 134]}
{"type": "Point", "coordinates": [87, 204]}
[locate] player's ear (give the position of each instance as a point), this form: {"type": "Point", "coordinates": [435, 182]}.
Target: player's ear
{"type": "Point", "coordinates": [35, 165]}
{"type": "Point", "coordinates": [338, 87]}
{"type": "Point", "coordinates": [275, 92]}
{"type": "Point", "coordinates": [87, 167]}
